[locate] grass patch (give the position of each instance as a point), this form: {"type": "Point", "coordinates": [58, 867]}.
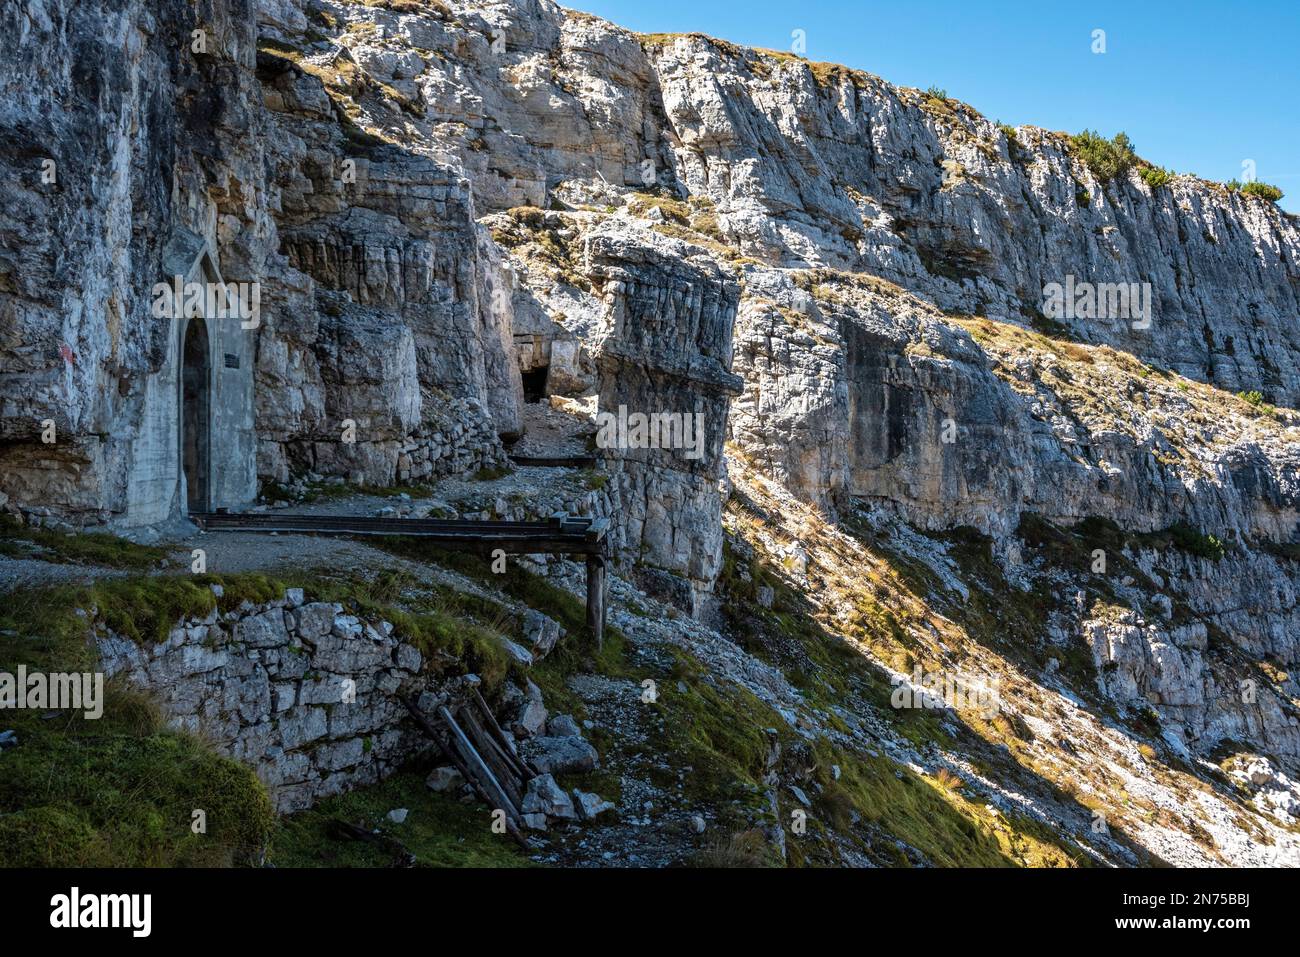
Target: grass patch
{"type": "Point", "coordinates": [720, 731]}
{"type": "Point", "coordinates": [119, 791]}
{"type": "Point", "coordinates": [440, 831]}
{"type": "Point", "coordinates": [930, 815]}
{"type": "Point", "coordinates": [76, 548]}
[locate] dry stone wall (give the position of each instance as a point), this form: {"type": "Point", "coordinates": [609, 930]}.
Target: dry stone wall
{"type": "Point", "coordinates": [303, 692]}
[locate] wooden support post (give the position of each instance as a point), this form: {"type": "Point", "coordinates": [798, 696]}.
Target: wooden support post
{"type": "Point", "coordinates": [596, 597]}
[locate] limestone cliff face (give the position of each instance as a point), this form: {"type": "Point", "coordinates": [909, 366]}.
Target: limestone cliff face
{"type": "Point", "coordinates": [819, 165]}
{"type": "Point", "coordinates": [667, 349]}
{"type": "Point", "coordinates": [137, 149]}
{"type": "Point", "coordinates": [390, 320]}
{"type": "Point", "coordinates": [842, 277]}
{"type": "Point", "coordinates": [123, 159]}
{"type": "Point", "coordinates": [891, 251]}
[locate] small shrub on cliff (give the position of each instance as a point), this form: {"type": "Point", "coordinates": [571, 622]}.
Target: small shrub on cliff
{"type": "Point", "coordinates": [935, 102]}
{"type": "Point", "coordinates": [1156, 176]}
{"type": "Point", "coordinates": [1106, 158]}
{"type": "Point", "coordinates": [1256, 398]}
{"type": "Point", "coordinates": [1197, 542]}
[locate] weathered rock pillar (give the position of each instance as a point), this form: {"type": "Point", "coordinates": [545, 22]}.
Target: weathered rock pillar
{"type": "Point", "coordinates": [665, 389]}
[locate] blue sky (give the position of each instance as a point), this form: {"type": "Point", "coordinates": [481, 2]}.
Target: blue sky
{"type": "Point", "coordinates": [1200, 87]}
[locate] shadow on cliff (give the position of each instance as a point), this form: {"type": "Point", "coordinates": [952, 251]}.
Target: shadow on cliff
{"type": "Point", "coordinates": [1012, 623]}
{"type": "Point", "coordinates": [771, 616]}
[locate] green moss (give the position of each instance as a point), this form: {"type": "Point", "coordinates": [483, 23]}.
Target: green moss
{"type": "Point", "coordinates": [82, 548]}
{"type": "Point", "coordinates": [900, 806]}
{"type": "Point", "coordinates": [144, 608]}
{"type": "Point", "coordinates": [948, 830]}
{"type": "Point", "coordinates": [720, 731]}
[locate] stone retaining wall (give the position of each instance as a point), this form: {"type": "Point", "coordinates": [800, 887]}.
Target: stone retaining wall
{"type": "Point", "coordinates": [303, 692]}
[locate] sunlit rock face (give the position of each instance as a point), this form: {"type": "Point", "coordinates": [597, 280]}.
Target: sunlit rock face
{"type": "Point", "coordinates": [666, 353]}
{"type": "Point", "coordinates": [816, 166]}
{"type": "Point", "coordinates": [778, 296]}
{"type": "Point", "coordinates": [845, 280]}
{"type": "Point", "coordinates": [125, 164]}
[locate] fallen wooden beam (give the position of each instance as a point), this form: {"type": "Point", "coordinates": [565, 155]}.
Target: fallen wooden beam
{"type": "Point", "coordinates": [511, 781]}
{"type": "Point", "coordinates": [470, 765]}
{"type": "Point", "coordinates": [338, 828]}
{"type": "Point", "coordinates": [481, 772]}
{"type": "Point", "coordinates": [526, 770]}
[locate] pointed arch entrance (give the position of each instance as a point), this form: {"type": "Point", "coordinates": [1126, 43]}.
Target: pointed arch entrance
{"type": "Point", "coordinates": [196, 415]}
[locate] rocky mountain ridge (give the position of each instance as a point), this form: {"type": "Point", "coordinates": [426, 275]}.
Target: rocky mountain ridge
{"type": "Point", "coordinates": [844, 277]}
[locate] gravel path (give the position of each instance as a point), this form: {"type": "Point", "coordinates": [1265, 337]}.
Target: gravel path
{"type": "Point", "coordinates": [555, 431]}
{"type": "Point", "coordinates": [32, 573]}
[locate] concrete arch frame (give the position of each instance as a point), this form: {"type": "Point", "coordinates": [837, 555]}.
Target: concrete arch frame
{"type": "Point", "coordinates": [222, 355]}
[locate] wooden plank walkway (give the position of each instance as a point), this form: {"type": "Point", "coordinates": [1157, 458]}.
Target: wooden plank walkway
{"type": "Point", "coordinates": [561, 534]}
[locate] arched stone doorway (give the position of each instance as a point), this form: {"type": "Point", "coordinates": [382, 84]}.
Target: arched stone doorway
{"type": "Point", "coordinates": [196, 415]}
